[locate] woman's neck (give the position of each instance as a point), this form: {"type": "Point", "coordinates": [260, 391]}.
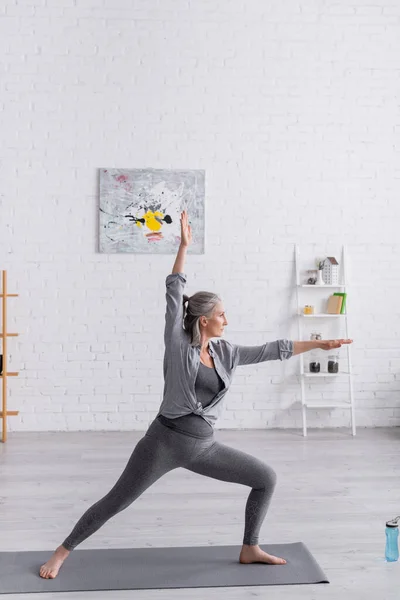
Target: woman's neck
{"type": "Point", "coordinates": [204, 347]}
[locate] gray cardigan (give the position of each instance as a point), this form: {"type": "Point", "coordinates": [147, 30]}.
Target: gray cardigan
{"type": "Point", "coordinates": [181, 359]}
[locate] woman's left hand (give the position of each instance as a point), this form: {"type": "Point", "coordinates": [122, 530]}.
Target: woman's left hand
{"type": "Point", "coordinates": [329, 344]}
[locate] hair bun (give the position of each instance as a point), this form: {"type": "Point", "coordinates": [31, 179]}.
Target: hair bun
{"type": "Point", "coordinates": [185, 298]}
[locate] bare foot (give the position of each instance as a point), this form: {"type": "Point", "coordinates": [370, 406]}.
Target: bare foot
{"type": "Point", "coordinates": [50, 569]}
{"type": "Point", "coordinates": [252, 554]}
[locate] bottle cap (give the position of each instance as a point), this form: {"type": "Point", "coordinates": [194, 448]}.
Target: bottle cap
{"type": "Point", "coordinates": [393, 522]}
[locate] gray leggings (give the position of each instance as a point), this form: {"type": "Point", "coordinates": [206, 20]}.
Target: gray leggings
{"type": "Point", "coordinates": [161, 450]}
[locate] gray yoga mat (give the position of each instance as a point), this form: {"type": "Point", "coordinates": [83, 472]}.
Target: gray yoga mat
{"type": "Point", "coordinates": [157, 568]}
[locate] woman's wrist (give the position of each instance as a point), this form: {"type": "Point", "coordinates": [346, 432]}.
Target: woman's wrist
{"type": "Point", "coordinates": [305, 346]}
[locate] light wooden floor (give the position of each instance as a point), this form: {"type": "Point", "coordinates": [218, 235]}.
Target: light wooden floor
{"type": "Point", "coordinates": [334, 493]}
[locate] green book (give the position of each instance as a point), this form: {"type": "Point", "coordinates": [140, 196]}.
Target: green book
{"type": "Point", "coordinates": [343, 309]}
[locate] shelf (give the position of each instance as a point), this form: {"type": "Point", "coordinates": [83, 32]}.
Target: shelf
{"type": "Point", "coordinates": [307, 379]}
{"type": "Point", "coordinates": [344, 373]}
{"type": "Point", "coordinates": [321, 287]}
{"type": "Point", "coordinates": [5, 373]}
{"type": "Point", "coordinates": [10, 413]}
{"type": "Point", "coordinates": [338, 405]}
{"type": "Point", "coordinates": [322, 316]}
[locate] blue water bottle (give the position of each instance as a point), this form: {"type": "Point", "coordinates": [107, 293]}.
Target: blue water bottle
{"type": "Point", "coordinates": [392, 536]}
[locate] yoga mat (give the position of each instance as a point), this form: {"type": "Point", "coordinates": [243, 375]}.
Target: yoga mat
{"type": "Point", "coordinates": [157, 568]}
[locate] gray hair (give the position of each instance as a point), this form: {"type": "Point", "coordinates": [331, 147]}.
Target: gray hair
{"type": "Point", "coordinates": [201, 304]}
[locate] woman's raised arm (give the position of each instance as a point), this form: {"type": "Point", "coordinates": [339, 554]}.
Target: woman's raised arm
{"type": "Point", "coordinates": [175, 285]}
{"type": "Point", "coordinates": [186, 240]}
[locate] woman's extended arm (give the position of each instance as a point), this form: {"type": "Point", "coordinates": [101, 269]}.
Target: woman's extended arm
{"type": "Point", "coordinates": [281, 349]}
{"type": "Point", "coordinates": [186, 239]}
{"type": "Point", "coordinates": [250, 355]}
{"type": "Point", "coordinates": [175, 285]}
{"type": "Point", "coordinates": [179, 263]}
{"type": "Point", "coordinates": [300, 347]}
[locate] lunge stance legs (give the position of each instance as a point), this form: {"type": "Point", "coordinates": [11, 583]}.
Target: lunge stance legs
{"type": "Point", "coordinates": [160, 451]}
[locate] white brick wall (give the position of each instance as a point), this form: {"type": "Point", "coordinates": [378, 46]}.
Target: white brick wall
{"type": "Point", "coordinates": [292, 110]}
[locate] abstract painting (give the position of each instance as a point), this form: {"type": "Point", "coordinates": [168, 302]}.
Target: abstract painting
{"type": "Point", "coordinates": [140, 210]}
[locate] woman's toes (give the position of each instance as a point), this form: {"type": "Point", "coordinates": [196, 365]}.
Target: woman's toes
{"type": "Point", "coordinates": [50, 569]}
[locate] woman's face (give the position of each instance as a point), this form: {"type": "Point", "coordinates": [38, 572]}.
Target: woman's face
{"type": "Point", "coordinates": [215, 326]}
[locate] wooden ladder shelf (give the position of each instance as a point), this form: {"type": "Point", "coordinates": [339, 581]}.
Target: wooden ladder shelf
{"type": "Point", "coordinates": [4, 334]}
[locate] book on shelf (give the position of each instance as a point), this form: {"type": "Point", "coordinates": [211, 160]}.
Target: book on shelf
{"type": "Point", "coordinates": [334, 305]}
{"type": "Point", "coordinates": [344, 296]}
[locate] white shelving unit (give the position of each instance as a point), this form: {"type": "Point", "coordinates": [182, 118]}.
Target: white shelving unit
{"type": "Point", "coordinates": [309, 377]}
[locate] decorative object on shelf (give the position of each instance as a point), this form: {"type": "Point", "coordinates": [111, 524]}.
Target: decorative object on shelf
{"type": "Point", "coordinates": [314, 357]}
{"type": "Point", "coordinates": [5, 374]}
{"type": "Point", "coordinates": [333, 363]}
{"type": "Point", "coordinates": [320, 279]}
{"type": "Point", "coordinates": [312, 276]}
{"type": "Point", "coordinates": [309, 309]}
{"type": "Point", "coordinates": [330, 271]}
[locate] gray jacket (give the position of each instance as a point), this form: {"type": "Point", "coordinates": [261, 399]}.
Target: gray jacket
{"type": "Point", "coordinates": [181, 359]}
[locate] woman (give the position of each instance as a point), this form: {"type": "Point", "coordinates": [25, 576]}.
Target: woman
{"type": "Point", "coordinates": [197, 375]}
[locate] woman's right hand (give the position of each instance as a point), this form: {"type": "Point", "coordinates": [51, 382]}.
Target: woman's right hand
{"type": "Point", "coordinates": [186, 230]}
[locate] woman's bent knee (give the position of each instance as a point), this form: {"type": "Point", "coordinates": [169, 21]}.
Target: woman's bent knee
{"type": "Point", "coordinates": [269, 478]}
{"type": "Point", "coordinates": [273, 476]}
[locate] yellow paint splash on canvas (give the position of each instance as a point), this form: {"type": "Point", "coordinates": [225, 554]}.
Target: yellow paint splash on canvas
{"type": "Point", "coordinates": [151, 222]}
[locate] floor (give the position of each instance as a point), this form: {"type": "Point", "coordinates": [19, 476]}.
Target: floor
{"type": "Point", "coordinates": [334, 493]}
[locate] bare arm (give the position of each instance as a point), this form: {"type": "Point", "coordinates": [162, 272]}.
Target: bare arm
{"type": "Point", "coordinates": [300, 347]}
{"type": "Point", "coordinates": [186, 239]}
{"type": "Point", "coordinates": [179, 264]}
